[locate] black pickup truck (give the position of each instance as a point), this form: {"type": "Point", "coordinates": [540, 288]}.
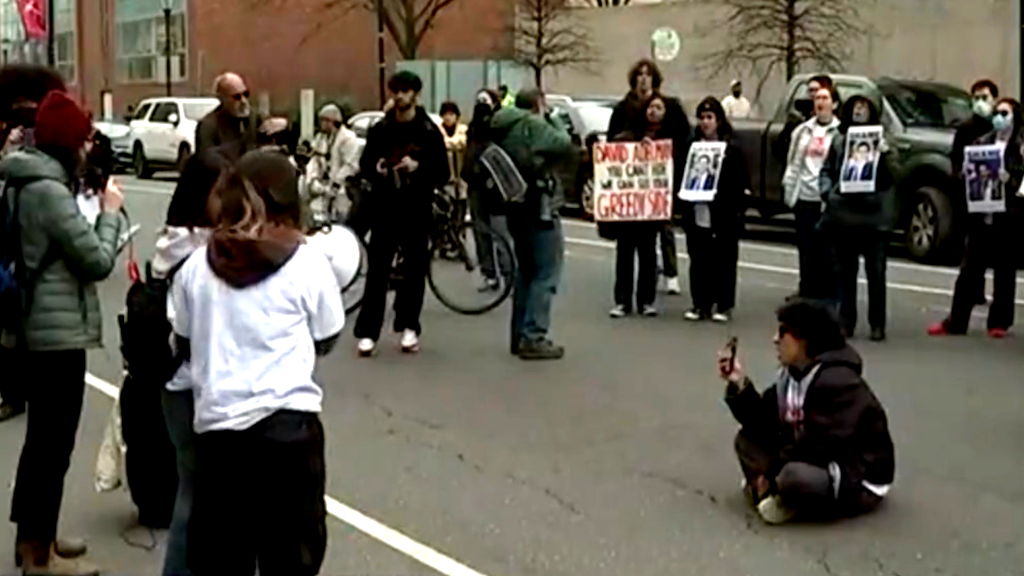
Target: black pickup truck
{"type": "Point", "coordinates": [919, 120]}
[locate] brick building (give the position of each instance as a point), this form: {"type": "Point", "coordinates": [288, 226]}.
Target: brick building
{"type": "Point", "coordinates": [117, 46]}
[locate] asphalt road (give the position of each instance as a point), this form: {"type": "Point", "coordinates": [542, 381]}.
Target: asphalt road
{"type": "Point", "coordinates": [618, 459]}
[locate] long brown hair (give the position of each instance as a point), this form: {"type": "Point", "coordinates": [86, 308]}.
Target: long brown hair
{"type": "Point", "coordinates": [260, 192]}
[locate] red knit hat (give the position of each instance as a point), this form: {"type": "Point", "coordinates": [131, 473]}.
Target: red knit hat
{"type": "Point", "coordinates": [61, 123]}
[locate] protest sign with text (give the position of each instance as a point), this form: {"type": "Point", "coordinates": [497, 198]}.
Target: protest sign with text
{"type": "Point", "coordinates": [633, 181]}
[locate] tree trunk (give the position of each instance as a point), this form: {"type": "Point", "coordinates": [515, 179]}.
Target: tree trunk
{"type": "Point", "coordinates": [538, 77]}
{"type": "Point", "coordinates": [790, 39]}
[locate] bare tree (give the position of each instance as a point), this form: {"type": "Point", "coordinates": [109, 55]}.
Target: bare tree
{"type": "Point", "coordinates": [604, 3]}
{"type": "Point", "coordinates": [407, 21]}
{"type": "Point", "coordinates": [762, 36]}
{"type": "Point", "coordinates": [548, 36]}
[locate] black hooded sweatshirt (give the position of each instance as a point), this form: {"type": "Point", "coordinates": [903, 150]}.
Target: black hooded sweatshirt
{"type": "Point", "coordinates": [843, 422]}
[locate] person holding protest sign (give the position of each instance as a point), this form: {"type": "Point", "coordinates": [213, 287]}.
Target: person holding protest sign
{"type": "Point", "coordinates": [860, 211]}
{"type": "Point", "coordinates": [992, 228]}
{"type": "Point", "coordinates": [817, 442]}
{"type": "Point", "coordinates": [630, 114]}
{"type": "Point", "coordinates": [637, 239]}
{"type": "Point", "coordinates": [713, 222]}
{"type": "Point", "coordinates": [810, 145]}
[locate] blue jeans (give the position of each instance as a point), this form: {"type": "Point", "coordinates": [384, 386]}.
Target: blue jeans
{"type": "Point", "coordinates": [179, 412]}
{"type": "Point", "coordinates": [540, 250]}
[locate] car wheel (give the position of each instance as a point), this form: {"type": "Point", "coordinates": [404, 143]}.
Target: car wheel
{"type": "Point", "coordinates": [139, 162]}
{"type": "Point", "coordinates": [930, 227]}
{"type": "Point", "coordinates": [184, 153]}
{"type": "Point", "coordinates": [587, 198]}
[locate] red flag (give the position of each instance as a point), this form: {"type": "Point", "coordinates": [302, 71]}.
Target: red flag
{"type": "Point", "coordinates": [33, 17]}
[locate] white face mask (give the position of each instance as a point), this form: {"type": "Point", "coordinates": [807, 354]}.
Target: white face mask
{"type": "Point", "coordinates": [1002, 123]}
{"type": "Point", "coordinates": [983, 108]}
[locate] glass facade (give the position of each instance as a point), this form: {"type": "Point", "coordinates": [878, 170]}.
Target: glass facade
{"type": "Point", "coordinates": [16, 48]}
{"type": "Point", "coordinates": [141, 41]}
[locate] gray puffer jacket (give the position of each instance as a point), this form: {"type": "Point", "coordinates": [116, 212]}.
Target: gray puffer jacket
{"type": "Point", "coordinates": [65, 312]}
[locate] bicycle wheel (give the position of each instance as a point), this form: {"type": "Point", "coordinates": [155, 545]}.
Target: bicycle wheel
{"type": "Point", "coordinates": [472, 267]}
{"type": "Point", "coordinates": [352, 295]}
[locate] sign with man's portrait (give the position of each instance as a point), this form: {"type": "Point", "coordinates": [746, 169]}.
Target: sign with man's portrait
{"type": "Point", "coordinates": [982, 168]}
{"type": "Point", "coordinates": [860, 159]}
{"type": "Point", "coordinates": [703, 170]}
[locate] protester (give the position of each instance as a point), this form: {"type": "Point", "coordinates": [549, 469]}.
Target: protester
{"type": "Point", "coordinates": [811, 143]}
{"type": "Point", "coordinates": [630, 114]}
{"type": "Point", "coordinates": [483, 203]}
{"type": "Point", "coordinates": [256, 403]}
{"type": "Point", "coordinates": [22, 88]}
{"type": "Point", "coordinates": [713, 228]}
{"type": "Point", "coordinates": [984, 93]}
{"type": "Point", "coordinates": [991, 236]}
{"type": "Point", "coordinates": [406, 161]}
{"type": "Point", "coordinates": [859, 223]}
{"type": "Point", "coordinates": [536, 142]}
{"type": "Point", "coordinates": [233, 120]}
{"type": "Point", "coordinates": [804, 111]}
{"type": "Point", "coordinates": [66, 257]}
{"type": "Point", "coordinates": [335, 159]}
{"type": "Point", "coordinates": [736, 104]}
{"type": "Point", "coordinates": [817, 442]}
{"type": "Point", "coordinates": [455, 134]}
{"type": "Point", "coordinates": [637, 240]}
{"type": "Point", "coordinates": [506, 97]}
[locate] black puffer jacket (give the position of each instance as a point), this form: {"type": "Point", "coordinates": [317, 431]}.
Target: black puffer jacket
{"type": "Point", "coordinates": [843, 422]}
{"type": "Point", "coordinates": [727, 207]}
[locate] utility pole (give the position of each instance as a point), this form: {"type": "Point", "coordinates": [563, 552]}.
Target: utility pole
{"type": "Point", "coordinates": [167, 5]}
{"type": "Point", "coordinates": [51, 33]}
{"type": "Point", "coordinates": [381, 58]}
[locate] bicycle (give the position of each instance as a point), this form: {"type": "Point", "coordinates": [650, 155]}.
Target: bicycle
{"type": "Point", "coordinates": [472, 265]}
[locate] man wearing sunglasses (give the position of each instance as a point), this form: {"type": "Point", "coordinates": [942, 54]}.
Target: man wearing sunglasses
{"type": "Point", "coordinates": [232, 121]}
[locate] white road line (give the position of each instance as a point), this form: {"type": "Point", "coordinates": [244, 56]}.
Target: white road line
{"type": "Point", "coordinates": [389, 536]}
{"type": "Point", "coordinates": [787, 271]}
{"type": "Point", "coordinates": [147, 189]}
{"type": "Point", "coordinates": [792, 252]}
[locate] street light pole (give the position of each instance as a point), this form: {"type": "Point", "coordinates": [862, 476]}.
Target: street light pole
{"type": "Point", "coordinates": [381, 59]}
{"type": "Point", "coordinates": [167, 4]}
{"type": "Point", "coordinates": [51, 34]}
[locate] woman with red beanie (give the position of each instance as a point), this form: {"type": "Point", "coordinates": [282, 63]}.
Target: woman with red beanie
{"type": "Point", "coordinates": [63, 257]}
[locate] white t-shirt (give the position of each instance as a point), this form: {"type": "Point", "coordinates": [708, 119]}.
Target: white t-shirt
{"type": "Point", "coordinates": [814, 160]}
{"type": "Point", "coordinates": [736, 107]}
{"type": "Point", "coordinates": [252, 349]}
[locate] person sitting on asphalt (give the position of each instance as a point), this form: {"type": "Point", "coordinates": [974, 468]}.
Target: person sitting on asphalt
{"type": "Point", "coordinates": [233, 120]}
{"type": "Point", "coordinates": [816, 443]}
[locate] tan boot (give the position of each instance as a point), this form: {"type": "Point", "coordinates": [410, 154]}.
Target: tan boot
{"type": "Point", "coordinates": [65, 548]}
{"type": "Point", "coordinates": [41, 559]}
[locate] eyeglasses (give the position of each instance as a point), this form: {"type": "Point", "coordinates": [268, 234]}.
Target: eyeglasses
{"type": "Point", "coordinates": [240, 96]}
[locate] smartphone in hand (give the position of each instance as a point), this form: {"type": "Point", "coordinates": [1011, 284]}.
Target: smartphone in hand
{"type": "Point", "coordinates": [731, 347]}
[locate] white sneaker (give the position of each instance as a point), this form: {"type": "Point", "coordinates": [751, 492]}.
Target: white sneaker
{"type": "Point", "coordinates": [619, 311]}
{"type": "Point", "coordinates": [367, 347]}
{"type": "Point", "coordinates": [721, 317]}
{"type": "Point", "coordinates": [672, 286]}
{"type": "Point", "coordinates": [410, 342]}
{"type": "Point", "coordinates": [650, 311]}
{"type": "Point", "coordinates": [773, 511]}
{"type": "Point", "coordinates": [693, 315]}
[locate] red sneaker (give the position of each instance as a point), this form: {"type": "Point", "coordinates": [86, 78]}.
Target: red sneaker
{"type": "Point", "coordinates": [998, 333]}
{"type": "Point", "coordinates": [938, 329]}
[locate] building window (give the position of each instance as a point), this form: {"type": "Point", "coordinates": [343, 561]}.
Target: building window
{"type": "Point", "coordinates": [141, 41]}
{"type": "Point", "coordinates": [17, 48]}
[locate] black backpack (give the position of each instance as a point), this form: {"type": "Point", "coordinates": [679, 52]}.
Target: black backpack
{"type": "Point", "coordinates": [17, 282]}
{"type": "Point", "coordinates": [146, 332]}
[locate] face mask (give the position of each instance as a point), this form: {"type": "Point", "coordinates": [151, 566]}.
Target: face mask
{"type": "Point", "coordinates": [860, 117]}
{"type": "Point", "coordinates": [1002, 123]}
{"type": "Point", "coordinates": [983, 108]}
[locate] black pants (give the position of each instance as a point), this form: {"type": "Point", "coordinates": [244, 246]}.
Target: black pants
{"type": "Point", "coordinates": [259, 499]}
{"type": "Point", "coordinates": [804, 487]}
{"type": "Point", "coordinates": [411, 235]}
{"type": "Point", "coordinates": [849, 244]}
{"type": "Point", "coordinates": [669, 256]}
{"type": "Point", "coordinates": [816, 268]}
{"type": "Point", "coordinates": [13, 383]}
{"type": "Point", "coordinates": [636, 241]}
{"type": "Point", "coordinates": [987, 246]}
{"type": "Point", "coordinates": [713, 259]}
{"type": "Point", "coordinates": [54, 408]}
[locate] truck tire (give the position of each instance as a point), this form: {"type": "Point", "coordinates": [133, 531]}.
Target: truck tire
{"type": "Point", "coordinates": [930, 228]}
{"type": "Point", "coordinates": [142, 168]}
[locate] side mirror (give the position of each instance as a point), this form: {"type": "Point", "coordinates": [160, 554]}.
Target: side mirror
{"type": "Point", "coordinates": [173, 119]}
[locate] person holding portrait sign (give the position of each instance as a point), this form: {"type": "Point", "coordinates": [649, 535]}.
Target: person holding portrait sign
{"type": "Point", "coordinates": [634, 181]}
{"type": "Point", "coordinates": [715, 178]}
{"type": "Point", "coordinates": [993, 171]}
{"type": "Point", "coordinates": [857, 187]}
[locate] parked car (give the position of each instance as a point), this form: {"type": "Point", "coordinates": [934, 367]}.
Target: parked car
{"type": "Point", "coordinates": [119, 134]}
{"type": "Point", "coordinates": [919, 119]}
{"type": "Point", "coordinates": [587, 122]}
{"type": "Point", "coordinates": [163, 132]}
